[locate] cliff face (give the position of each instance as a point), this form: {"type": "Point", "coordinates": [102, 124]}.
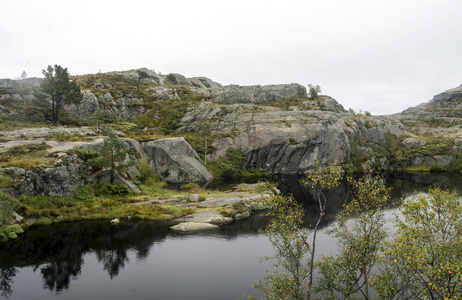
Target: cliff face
{"type": "Point", "coordinates": [288, 142]}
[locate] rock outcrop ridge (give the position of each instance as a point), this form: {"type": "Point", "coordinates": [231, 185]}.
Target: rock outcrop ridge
{"type": "Point", "coordinates": [172, 158]}
{"type": "Point", "coordinates": [288, 142]}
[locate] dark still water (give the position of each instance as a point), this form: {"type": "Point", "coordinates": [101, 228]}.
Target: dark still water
{"type": "Point", "coordinates": [146, 260]}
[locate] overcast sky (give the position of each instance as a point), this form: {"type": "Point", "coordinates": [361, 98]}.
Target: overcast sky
{"type": "Point", "coordinates": [370, 55]}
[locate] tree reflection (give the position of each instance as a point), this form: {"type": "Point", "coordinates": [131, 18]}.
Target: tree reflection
{"type": "Point", "coordinates": [57, 274]}
{"type": "Point", "coordinates": [113, 261]}
{"type": "Point", "coordinates": [7, 276]}
{"type": "Point", "coordinates": [58, 250]}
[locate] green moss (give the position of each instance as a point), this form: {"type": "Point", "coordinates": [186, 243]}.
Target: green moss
{"type": "Point", "coordinates": [5, 181]}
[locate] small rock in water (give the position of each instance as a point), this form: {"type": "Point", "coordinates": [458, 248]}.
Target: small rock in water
{"type": "Point", "coordinates": [115, 221]}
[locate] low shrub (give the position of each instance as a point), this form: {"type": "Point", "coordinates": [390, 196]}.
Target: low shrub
{"type": "Point", "coordinates": [190, 187]}
{"type": "Point", "coordinates": [117, 189]}
{"type": "Point", "coordinates": [10, 232]}
{"type": "Point", "coordinates": [84, 194]}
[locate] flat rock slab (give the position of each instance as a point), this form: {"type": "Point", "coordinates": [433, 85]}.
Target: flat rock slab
{"type": "Point", "coordinates": [193, 227]}
{"type": "Point", "coordinates": [229, 200]}
{"type": "Point", "coordinates": [209, 216]}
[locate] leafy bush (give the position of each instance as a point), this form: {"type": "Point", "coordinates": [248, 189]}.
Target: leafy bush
{"type": "Point", "coordinates": [84, 194]}
{"type": "Point", "coordinates": [10, 232]}
{"type": "Point", "coordinates": [313, 91]}
{"type": "Point", "coordinates": [231, 165]}
{"type": "Point", "coordinates": [85, 155]}
{"type": "Point", "coordinates": [117, 189]}
{"type": "Point", "coordinates": [171, 78]}
{"type": "Point", "coordinates": [147, 173]}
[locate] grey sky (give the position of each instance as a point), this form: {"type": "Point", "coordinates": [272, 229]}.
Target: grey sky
{"type": "Point", "coordinates": [377, 56]}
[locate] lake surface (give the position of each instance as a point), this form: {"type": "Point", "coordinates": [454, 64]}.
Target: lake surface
{"type": "Point", "coordinates": [146, 260]}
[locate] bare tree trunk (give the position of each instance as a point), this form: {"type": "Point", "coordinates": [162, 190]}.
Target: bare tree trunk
{"type": "Point", "coordinates": [205, 152]}
{"type": "Point", "coordinates": [322, 206]}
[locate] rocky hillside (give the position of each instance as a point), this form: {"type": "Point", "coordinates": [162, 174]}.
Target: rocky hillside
{"type": "Point", "coordinates": [278, 128]}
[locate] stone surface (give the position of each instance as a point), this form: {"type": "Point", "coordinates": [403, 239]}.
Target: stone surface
{"type": "Point", "coordinates": [208, 216]}
{"type": "Point", "coordinates": [287, 142]}
{"type": "Point", "coordinates": [175, 161]}
{"type": "Point", "coordinates": [412, 143]}
{"type": "Point", "coordinates": [242, 216]}
{"type": "Point", "coordinates": [193, 197]}
{"type": "Point", "coordinates": [105, 177]}
{"type": "Point", "coordinates": [58, 181]}
{"type": "Point", "coordinates": [256, 94]}
{"type": "Point", "coordinates": [193, 227]}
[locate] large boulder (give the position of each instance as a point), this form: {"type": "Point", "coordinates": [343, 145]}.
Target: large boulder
{"type": "Point", "coordinates": [176, 161]}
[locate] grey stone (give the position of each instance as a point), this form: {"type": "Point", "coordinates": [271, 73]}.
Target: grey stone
{"type": "Point", "coordinates": [208, 216]}
{"type": "Point", "coordinates": [176, 161]}
{"type": "Point", "coordinates": [242, 216]}
{"type": "Point", "coordinates": [193, 227]}
{"type": "Point", "coordinates": [105, 177]}
{"type": "Point", "coordinates": [194, 197]}
{"type": "Point", "coordinates": [412, 143]}
{"type": "Point", "coordinates": [287, 142]}
{"type": "Point", "coordinates": [256, 94]}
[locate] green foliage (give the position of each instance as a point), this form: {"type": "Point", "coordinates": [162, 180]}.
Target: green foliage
{"type": "Point", "coordinates": [288, 280]}
{"type": "Point", "coordinates": [10, 232]}
{"type": "Point", "coordinates": [117, 189]}
{"type": "Point", "coordinates": [437, 169]}
{"type": "Point", "coordinates": [164, 115]}
{"type": "Point", "coordinates": [85, 155]}
{"type": "Point", "coordinates": [98, 119]}
{"type": "Point", "coordinates": [313, 91]}
{"type": "Point", "coordinates": [231, 164]}
{"type": "Point", "coordinates": [84, 194]}
{"type": "Point", "coordinates": [190, 187]}
{"type": "Point", "coordinates": [146, 172]}
{"type": "Point", "coordinates": [142, 75]}
{"type": "Point", "coordinates": [171, 78]}
{"type": "Point", "coordinates": [6, 210]}
{"type": "Point", "coordinates": [57, 88]}
{"type": "Point", "coordinates": [424, 260]}
{"type": "Point", "coordinates": [292, 277]}
{"type": "Point", "coordinates": [26, 157]}
{"type": "Point", "coordinates": [360, 232]}
{"type": "Point", "coordinates": [5, 181]}
{"type": "Point", "coordinates": [112, 153]}
{"type": "Point", "coordinates": [201, 142]}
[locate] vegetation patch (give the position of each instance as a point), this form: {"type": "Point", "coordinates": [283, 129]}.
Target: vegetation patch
{"type": "Point", "coordinates": [27, 157]}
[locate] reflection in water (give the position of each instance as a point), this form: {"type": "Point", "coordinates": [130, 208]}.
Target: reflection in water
{"type": "Point", "coordinates": [58, 250]}
{"type": "Point", "coordinates": [6, 280]}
